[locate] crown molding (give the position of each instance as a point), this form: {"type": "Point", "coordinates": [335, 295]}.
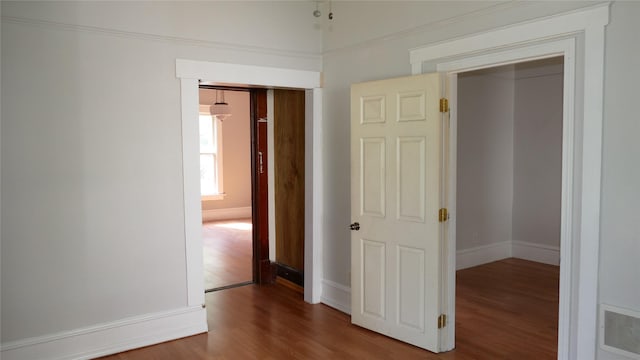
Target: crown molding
{"type": "Point", "coordinates": [425, 27]}
{"type": "Point", "coordinates": [160, 38]}
{"type": "Point", "coordinates": [438, 24]}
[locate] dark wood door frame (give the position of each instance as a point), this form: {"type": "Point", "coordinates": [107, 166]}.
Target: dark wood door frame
{"type": "Point", "coordinates": [264, 272]}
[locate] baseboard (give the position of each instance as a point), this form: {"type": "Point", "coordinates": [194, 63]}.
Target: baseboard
{"type": "Point", "coordinates": [288, 273]}
{"type": "Point", "coordinates": [545, 254]}
{"type": "Point", "coordinates": [339, 296]}
{"type": "Point", "coordinates": [110, 338]}
{"type": "Point", "coordinates": [336, 295]}
{"type": "Point", "coordinates": [482, 254]}
{"type": "Point", "coordinates": [226, 214]}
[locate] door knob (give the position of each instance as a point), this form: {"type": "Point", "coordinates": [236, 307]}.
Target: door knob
{"type": "Point", "coordinates": [355, 226]}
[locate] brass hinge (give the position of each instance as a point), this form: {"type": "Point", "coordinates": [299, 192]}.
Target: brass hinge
{"type": "Point", "coordinates": [444, 105]}
{"type": "Point", "coordinates": [442, 321]}
{"type": "Point", "coordinates": [443, 215]}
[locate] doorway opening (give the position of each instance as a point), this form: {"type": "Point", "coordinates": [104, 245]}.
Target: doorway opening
{"type": "Point", "coordinates": [558, 35]}
{"type": "Point", "coordinates": [254, 223]}
{"type": "Point", "coordinates": [508, 207]}
{"type": "Point", "coordinates": [191, 73]}
{"type": "Point", "coordinates": [226, 187]}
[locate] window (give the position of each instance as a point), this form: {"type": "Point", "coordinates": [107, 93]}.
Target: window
{"type": "Point", "coordinates": [210, 156]}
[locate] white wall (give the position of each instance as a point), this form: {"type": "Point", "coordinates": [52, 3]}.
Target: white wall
{"type": "Point", "coordinates": [509, 167]}
{"type": "Point", "coordinates": [236, 151]}
{"type": "Point", "coordinates": [269, 27]}
{"type": "Point", "coordinates": [0, 164]}
{"type": "Point", "coordinates": [485, 167]}
{"type": "Point", "coordinates": [537, 190]}
{"type": "Point", "coordinates": [91, 148]}
{"type": "Point", "coordinates": [378, 19]}
{"type": "Point", "coordinates": [620, 225]}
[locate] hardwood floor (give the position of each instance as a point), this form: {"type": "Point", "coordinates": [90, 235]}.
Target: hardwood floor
{"type": "Point", "coordinates": [505, 310]}
{"type": "Point", "coordinates": [508, 310]}
{"type": "Point", "coordinates": [227, 252]}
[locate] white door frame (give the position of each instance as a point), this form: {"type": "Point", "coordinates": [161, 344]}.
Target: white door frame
{"type": "Point", "coordinates": [566, 49]}
{"type": "Point", "coordinates": [580, 224]}
{"type": "Point", "coordinates": [190, 72]}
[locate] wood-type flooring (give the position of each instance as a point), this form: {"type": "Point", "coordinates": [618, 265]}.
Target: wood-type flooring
{"type": "Point", "coordinates": [505, 310]}
{"type": "Point", "coordinates": [227, 252]}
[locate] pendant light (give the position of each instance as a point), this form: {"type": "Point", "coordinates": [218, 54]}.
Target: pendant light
{"type": "Point", "coordinates": [220, 109]}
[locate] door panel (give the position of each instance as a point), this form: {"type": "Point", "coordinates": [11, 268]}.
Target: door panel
{"type": "Point", "coordinates": [289, 135]}
{"type": "Point", "coordinates": [373, 182]}
{"type": "Point", "coordinates": [395, 187]}
{"type": "Point", "coordinates": [373, 280]}
{"type": "Point", "coordinates": [411, 282]}
{"type": "Point", "coordinates": [411, 178]}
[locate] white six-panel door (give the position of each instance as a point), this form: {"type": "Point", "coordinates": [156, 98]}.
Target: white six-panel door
{"type": "Point", "coordinates": [395, 198]}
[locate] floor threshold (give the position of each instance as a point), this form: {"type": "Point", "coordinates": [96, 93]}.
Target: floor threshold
{"type": "Point", "coordinates": [228, 286]}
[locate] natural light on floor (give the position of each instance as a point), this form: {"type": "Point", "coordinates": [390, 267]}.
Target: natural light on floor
{"type": "Point", "coordinates": [237, 226]}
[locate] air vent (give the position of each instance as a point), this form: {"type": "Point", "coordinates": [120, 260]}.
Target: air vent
{"type": "Point", "coordinates": [620, 331]}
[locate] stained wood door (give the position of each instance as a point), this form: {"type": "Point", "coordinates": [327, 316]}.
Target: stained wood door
{"type": "Point", "coordinates": [395, 198]}
{"type": "Point", "coordinates": [289, 121]}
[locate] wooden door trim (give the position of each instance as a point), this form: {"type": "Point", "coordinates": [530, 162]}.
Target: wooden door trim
{"type": "Point", "coordinates": [264, 272]}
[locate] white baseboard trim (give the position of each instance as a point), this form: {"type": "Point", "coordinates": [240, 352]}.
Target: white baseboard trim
{"type": "Point", "coordinates": [545, 254]}
{"type": "Point", "coordinates": [226, 214]}
{"type": "Point", "coordinates": [482, 254]}
{"type": "Point", "coordinates": [109, 338]}
{"type": "Point", "coordinates": [336, 295]}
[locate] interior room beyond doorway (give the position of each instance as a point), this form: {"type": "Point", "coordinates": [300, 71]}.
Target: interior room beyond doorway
{"type": "Point", "coordinates": [227, 253]}
{"type": "Point", "coordinates": [225, 177]}
{"type": "Point", "coordinates": [509, 181]}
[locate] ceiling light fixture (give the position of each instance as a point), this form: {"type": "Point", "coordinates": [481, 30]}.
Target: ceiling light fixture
{"type": "Point", "coordinates": [220, 109]}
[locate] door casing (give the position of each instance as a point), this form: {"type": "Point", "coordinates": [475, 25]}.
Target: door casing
{"type": "Point", "coordinates": [547, 37]}
{"type": "Point", "coordinates": [190, 72]}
